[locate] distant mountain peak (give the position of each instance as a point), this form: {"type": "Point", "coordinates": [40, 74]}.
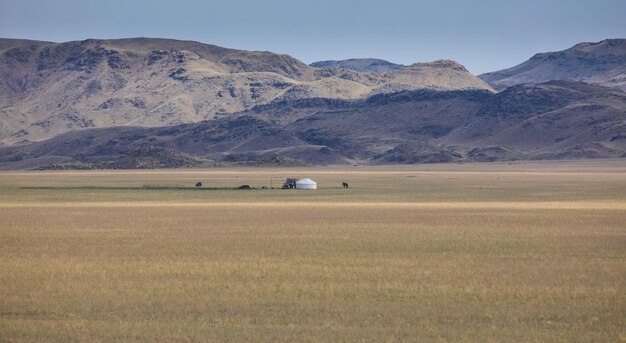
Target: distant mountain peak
{"type": "Point", "coordinates": [601, 62]}
{"type": "Point", "coordinates": [444, 64]}
{"type": "Point", "coordinates": [605, 42]}
{"type": "Point", "coordinates": [359, 64]}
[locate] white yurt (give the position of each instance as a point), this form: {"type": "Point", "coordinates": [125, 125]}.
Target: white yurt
{"type": "Point", "coordinates": [306, 184]}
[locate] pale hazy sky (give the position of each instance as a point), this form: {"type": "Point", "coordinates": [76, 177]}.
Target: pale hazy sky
{"type": "Point", "coordinates": [484, 35]}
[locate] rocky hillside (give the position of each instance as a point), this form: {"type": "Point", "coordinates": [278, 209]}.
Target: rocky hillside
{"type": "Point", "coordinates": [47, 88]}
{"type": "Point", "coordinates": [554, 120]}
{"type": "Point", "coordinates": [359, 64]}
{"type": "Point", "coordinates": [602, 63]}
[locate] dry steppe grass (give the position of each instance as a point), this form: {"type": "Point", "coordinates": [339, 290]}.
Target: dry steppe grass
{"type": "Point", "coordinates": [521, 252]}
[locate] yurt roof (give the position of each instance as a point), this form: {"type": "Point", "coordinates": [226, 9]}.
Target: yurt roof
{"type": "Point", "coordinates": [306, 181]}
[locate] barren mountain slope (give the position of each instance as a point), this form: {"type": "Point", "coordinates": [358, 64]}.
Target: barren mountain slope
{"type": "Point", "coordinates": [555, 120]}
{"type": "Point", "coordinates": [243, 138]}
{"type": "Point", "coordinates": [48, 88]}
{"type": "Point", "coordinates": [603, 63]}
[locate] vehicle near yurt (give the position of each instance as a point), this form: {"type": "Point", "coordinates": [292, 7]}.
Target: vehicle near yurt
{"type": "Point", "coordinates": [289, 184]}
{"type": "Point", "coordinates": [299, 184]}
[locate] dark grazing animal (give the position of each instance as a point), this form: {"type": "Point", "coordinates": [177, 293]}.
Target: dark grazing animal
{"type": "Point", "coordinates": [199, 184]}
{"type": "Point", "coordinates": [344, 184]}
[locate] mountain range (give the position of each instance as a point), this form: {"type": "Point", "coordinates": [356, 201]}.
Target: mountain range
{"type": "Point", "coordinates": [144, 103]}
{"type": "Point", "coordinates": [48, 88]}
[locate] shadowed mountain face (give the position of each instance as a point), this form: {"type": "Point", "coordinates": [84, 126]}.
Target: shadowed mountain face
{"type": "Point", "coordinates": [602, 63]}
{"type": "Point", "coordinates": [359, 64]}
{"type": "Point", "coordinates": [47, 88]}
{"type": "Point", "coordinates": [554, 120]}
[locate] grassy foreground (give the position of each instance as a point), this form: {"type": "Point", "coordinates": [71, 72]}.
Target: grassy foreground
{"type": "Point", "coordinates": [519, 252]}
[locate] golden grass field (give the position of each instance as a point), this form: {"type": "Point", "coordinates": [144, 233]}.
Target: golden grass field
{"type": "Point", "coordinates": [480, 252]}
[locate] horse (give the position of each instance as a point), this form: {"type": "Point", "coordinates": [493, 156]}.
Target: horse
{"type": "Point", "coordinates": [344, 184]}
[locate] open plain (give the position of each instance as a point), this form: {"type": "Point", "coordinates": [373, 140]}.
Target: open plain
{"type": "Point", "coordinates": [473, 252]}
